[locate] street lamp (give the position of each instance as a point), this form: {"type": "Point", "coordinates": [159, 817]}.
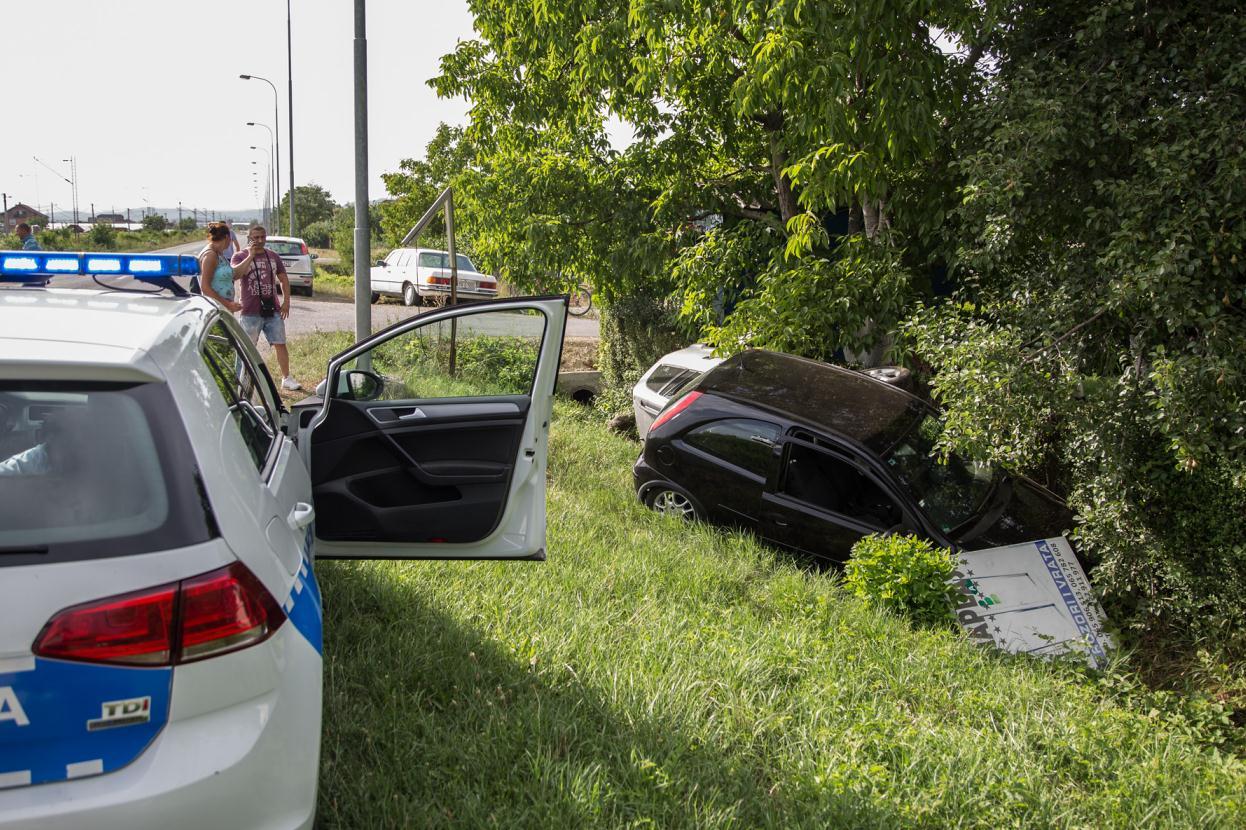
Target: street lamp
{"type": "Point", "coordinates": [272, 143]}
{"type": "Point", "coordinates": [271, 189]}
{"type": "Point", "coordinates": [276, 141]}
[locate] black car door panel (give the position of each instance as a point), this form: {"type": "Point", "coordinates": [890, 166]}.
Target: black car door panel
{"type": "Point", "coordinates": [440, 476]}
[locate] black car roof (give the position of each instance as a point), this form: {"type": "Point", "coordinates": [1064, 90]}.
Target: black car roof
{"type": "Point", "coordinates": [827, 398]}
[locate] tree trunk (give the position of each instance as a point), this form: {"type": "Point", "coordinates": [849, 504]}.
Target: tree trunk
{"type": "Point", "coordinates": [782, 184]}
{"type": "Point", "coordinates": [855, 222]}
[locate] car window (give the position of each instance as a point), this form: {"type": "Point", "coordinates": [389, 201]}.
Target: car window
{"type": "Point", "coordinates": [464, 263]}
{"type": "Point", "coordinates": [281, 248]}
{"type": "Point", "coordinates": [91, 470]}
{"type": "Point", "coordinates": [666, 378]}
{"type": "Point", "coordinates": [484, 354]}
{"type": "Point", "coordinates": [239, 385]}
{"type": "Point", "coordinates": [829, 482]}
{"type": "Point", "coordinates": [949, 488]}
{"type": "Point", "coordinates": [430, 259]}
{"type": "Point", "coordinates": [740, 441]}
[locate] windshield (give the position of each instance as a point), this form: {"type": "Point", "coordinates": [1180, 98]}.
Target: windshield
{"type": "Point", "coordinates": [440, 259]}
{"type": "Point", "coordinates": [284, 248]}
{"type": "Point", "coordinates": [91, 470]}
{"type": "Point", "coordinates": [951, 491]}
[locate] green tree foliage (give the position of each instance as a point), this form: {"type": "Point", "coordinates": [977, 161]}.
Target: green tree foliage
{"type": "Point", "coordinates": [104, 235]}
{"type": "Point", "coordinates": [155, 222]}
{"type": "Point", "coordinates": [186, 223]}
{"type": "Point", "coordinates": [770, 115]}
{"type": "Point", "coordinates": [312, 203]}
{"type": "Point", "coordinates": [1101, 317]}
{"type": "Point", "coordinates": [419, 182]}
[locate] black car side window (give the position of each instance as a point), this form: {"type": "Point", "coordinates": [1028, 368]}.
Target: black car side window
{"type": "Point", "coordinates": [828, 482]}
{"type": "Point", "coordinates": [744, 443]}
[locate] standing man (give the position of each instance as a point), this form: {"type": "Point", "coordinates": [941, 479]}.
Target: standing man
{"type": "Point", "coordinates": [29, 243]}
{"type": "Point", "coordinates": [260, 309]}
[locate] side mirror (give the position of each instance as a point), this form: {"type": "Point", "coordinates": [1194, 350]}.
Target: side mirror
{"type": "Point", "coordinates": [363, 386]}
{"type": "Point", "coordinates": [380, 263]}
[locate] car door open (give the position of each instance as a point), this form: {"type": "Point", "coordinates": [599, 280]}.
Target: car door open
{"type": "Point", "coordinates": [432, 439]}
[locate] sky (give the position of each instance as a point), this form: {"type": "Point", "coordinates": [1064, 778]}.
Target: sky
{"type": "Point", "coordinates": [145, 94]}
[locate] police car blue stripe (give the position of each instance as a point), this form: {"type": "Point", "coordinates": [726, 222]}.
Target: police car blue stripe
{"type": "Point", "coordinates": [303, 605]}
{"type": "Point", "coordinates": [64, 719]}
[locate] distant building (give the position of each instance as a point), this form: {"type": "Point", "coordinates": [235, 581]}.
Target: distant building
{"type": "Point", "coordinates": [23, 213]}
{"type": "Point", "coordinates": [110, 218]}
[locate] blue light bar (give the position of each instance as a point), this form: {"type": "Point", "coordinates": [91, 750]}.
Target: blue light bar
{"type": "Point", "coordinates": [38, 266]}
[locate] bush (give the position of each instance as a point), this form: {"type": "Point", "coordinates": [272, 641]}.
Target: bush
{"type": "Point", "coordinates": [905, 574]}
{"type": "Point", "coordinates": [103, 234]}
{"type": "Point", "coordinates": [319, 234]}
{"type": "Point", "coordinates": [187, 223]}
{"type": "Point", "coordinates": [155, 222]}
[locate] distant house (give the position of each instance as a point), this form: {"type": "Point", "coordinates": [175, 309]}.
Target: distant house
{"type": "Point", "coordinates": [110, 218]}
{"type": "Point", "coordinates": [23, 213]}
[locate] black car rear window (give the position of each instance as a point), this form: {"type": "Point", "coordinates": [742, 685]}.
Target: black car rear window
{"type": "Point", "coordinates": [94, 470]}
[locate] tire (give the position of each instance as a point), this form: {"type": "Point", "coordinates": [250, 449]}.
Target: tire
{"type": "Point", "coordinates": [892, 376]}
{"type": "Point", "coordinates": [375, 298]}
{"type": "Point", "coordinates": [581, 302]}
{"type": "Point", "coordinates": [410, 296]}
{"type": "Point", "coordinates": [664, 499]}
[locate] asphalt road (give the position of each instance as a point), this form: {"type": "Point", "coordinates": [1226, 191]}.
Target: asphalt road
{"type": "Point", "coordinates": [326, 313]}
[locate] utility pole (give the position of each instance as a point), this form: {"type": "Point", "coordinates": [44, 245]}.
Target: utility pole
{"type": "Point", "coordinates": [93, 211]}
{"type": "Point", "coordinates": [6, 213]}
{"type": "Point", "coordinates": [363, 233]}
{"type": "Point", "coordinates": [290, 104]}
{"type": "Point", "coordinates": [179, 211]}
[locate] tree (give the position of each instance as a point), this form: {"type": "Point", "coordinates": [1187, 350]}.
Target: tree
{"type": "Point", "coordinates": [418, 182]}
{"type": "Point", "coordinates": [1100, 321]}
{"type": "Point", "coordinates": [155, 222]}
{"type": "Point", "coordinates": [187, 223]}
{"type": "Point", "coordinates": [774, 116]}
{"type": "Point", "coordinates": [312, 203]}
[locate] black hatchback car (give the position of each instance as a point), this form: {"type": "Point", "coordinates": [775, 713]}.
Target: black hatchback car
{"type": "Point", "coordinates": [812, 457]}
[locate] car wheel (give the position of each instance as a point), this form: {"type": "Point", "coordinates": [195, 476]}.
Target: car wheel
{"type": "Point", "coordinates": [671, 502]}
{"type": "Point", "coordinates": [892, 375]}
{"type": "Point", "coordinates": [409, 295]}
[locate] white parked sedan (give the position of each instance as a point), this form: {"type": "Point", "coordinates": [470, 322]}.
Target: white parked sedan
{"type": "Point", "coordinates": [672, 371]}
{"type": "Point", "coordinates": [161, 516]}
{"type": "Point", "coordinates": [420, 276]}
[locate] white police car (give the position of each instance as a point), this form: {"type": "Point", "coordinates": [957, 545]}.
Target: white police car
{"type": "Point", "coordinates": [160, 516]}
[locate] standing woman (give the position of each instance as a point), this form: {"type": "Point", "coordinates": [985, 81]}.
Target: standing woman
{"type": "Point", "coordinates": [218, 274]}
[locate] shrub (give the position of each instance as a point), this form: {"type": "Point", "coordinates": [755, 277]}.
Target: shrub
{"type": "Point", "coordinates": [319, 234]}
{"type": "Point", "coordinates": [103, 235]}
{"type": "Point", "coordinates": [905, 574]}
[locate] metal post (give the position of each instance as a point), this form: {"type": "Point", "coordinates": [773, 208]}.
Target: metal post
{"type": "Point", "coordinates": [454, 282]}
{"type": "Point", "coordinates": [290, 105]}
{"type": "Point", "coordinates": [363, 234]}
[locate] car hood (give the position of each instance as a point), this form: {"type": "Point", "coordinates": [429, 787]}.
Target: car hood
{"type": "Point", "coordinates": [1021, 511]}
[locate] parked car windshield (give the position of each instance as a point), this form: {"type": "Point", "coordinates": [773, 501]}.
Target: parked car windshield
{"type": "Point", "coordinates": [437, 259]}
{"type": "Point", "coordinates": [284, 248]}
{"type": "Point", "coordinates": [951, 490]}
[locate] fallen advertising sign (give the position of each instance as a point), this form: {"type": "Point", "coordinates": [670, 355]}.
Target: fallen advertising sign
{"type": "Point", "coordinates": [1030, 598]}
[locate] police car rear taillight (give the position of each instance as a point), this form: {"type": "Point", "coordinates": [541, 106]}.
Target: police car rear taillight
{"type": "Point", "coordinates": [207, 615]}
{"type": "Point", "coordinates": [131, 629]}
{"type": "Point", "coordinates": [224, 611]}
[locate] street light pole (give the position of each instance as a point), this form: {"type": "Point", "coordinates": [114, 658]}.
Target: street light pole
{"type": "Point", "coordinates": [363, 234]}
{"type": "Point", "coordinates": [290, 110]}
{"type": "Point", "coordinates": [276, 162]}
{"type": "Point", "coordinates": [276, 125]}
{"type": "Point", "coordinates": [269, 184]}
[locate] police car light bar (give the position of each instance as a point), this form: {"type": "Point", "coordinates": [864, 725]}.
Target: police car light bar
{"type": "Point", "coordinates": [38, 266]}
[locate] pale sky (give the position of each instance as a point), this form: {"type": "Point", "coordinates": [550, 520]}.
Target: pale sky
{"type": "Point", "coordinates": [146, 95]}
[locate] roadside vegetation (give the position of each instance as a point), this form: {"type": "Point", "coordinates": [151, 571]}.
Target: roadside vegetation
{"type": "Point", "coordinates": [1040, 212]}
{"type": "Point", "coordinates": [655, 673]}
{"type": "Point", "coordinates": [108, 238]}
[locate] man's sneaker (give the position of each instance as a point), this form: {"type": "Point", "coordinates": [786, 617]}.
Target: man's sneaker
{"type": "Point", "coordinates": [290, 384]}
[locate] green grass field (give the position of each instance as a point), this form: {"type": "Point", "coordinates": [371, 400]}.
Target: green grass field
{"type": "Point", "coordinates": [654, 674]}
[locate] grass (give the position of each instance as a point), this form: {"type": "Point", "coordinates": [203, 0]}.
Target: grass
{"type": "Point", "coordinates": [654, 674]}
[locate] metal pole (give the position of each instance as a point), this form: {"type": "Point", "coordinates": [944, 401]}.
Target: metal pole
{"type": "Point", "coordinates": [454, 282]}
{"type": "Point", "coordinates": [363, 234]}
{"type": "Point", "coordinates": [290, 104]}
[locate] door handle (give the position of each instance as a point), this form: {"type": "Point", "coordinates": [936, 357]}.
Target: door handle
{"type": "Point", "coordinates": [775, 519]}
{"type": "Point", "coordinates": [301, 516]}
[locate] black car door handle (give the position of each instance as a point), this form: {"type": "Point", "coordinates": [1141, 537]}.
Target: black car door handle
{"type": "Point", "coordinates": [775, 519]}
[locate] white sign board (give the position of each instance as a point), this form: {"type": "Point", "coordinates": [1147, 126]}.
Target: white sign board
{"type": "Point", "coordinates": [1033, 598]}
